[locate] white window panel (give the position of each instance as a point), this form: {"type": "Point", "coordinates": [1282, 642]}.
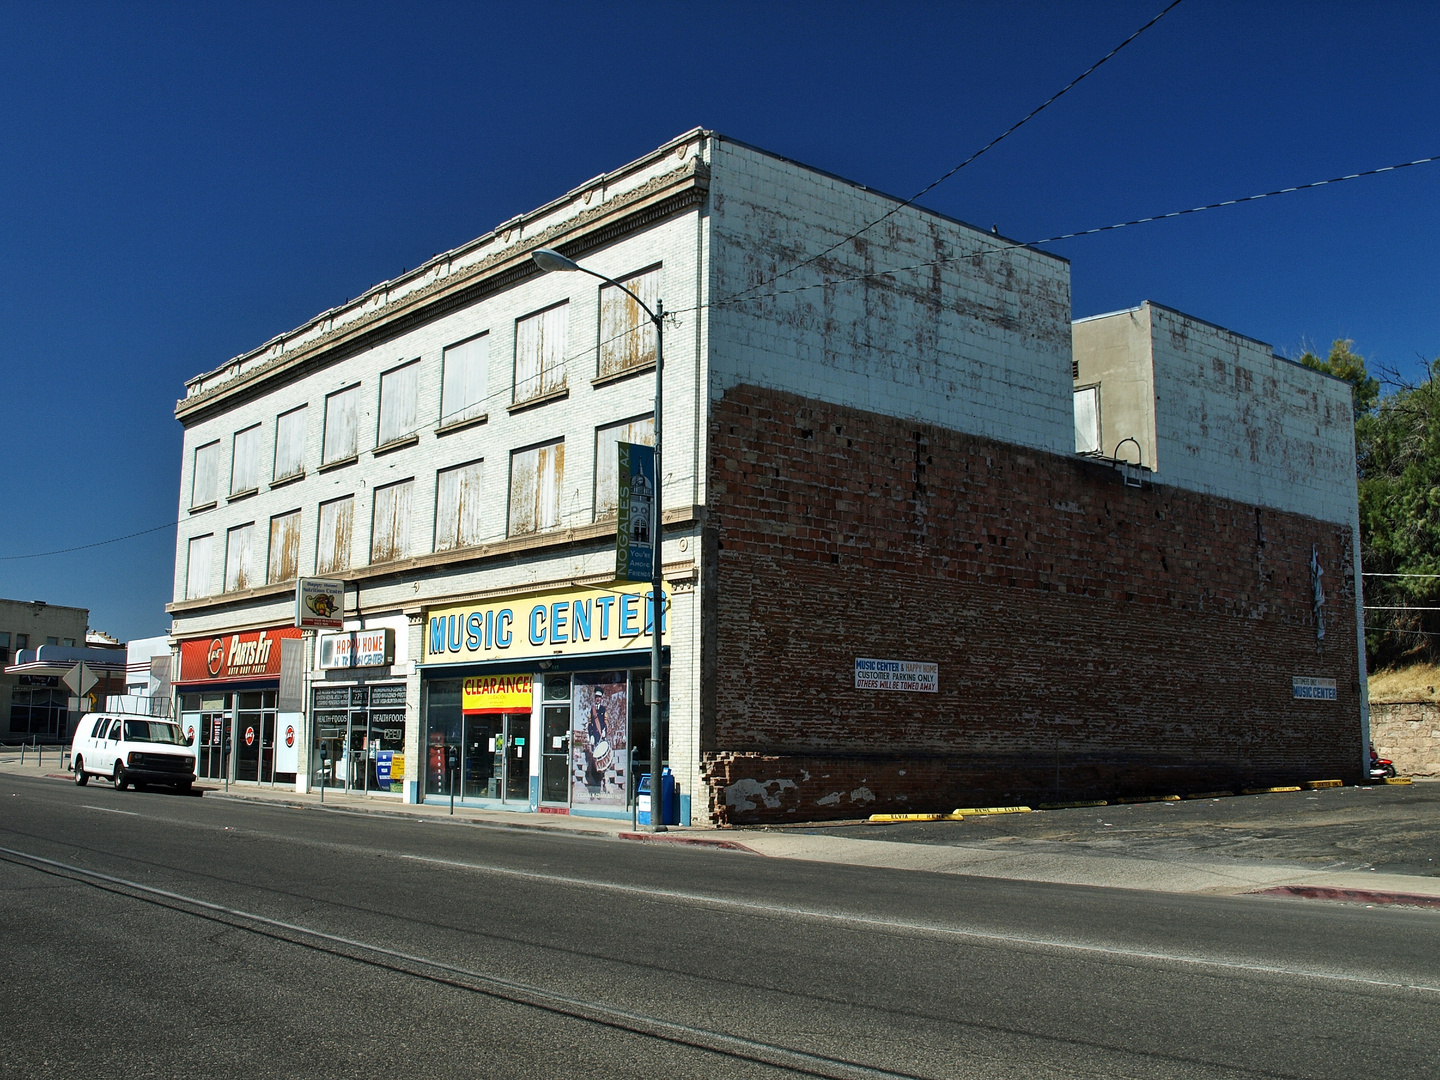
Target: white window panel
{"type": "Point", "coordinates": [398, 392]}
{"type": "Point", "coordinates": [627, 336]}
{"type": "Point", "coordinates": [245, 461]}
{"type": "Point", "coordinates": [540, 341]}
{"type": "Point", "coordinates": [206, 479]}
{"type": "Point", "coordinates": [536, 476]}
{"type": "Point", "coordinates": [337, 519]}
{"type": "Point", "coordinates": [1087, 420]}
{"type": "Point", "coordinates": [285, 547]}
{"type": "Point", "coordinates": [457, 507]}
{"type": "Point", "coordinates": [390, 530]}
{"type": "Point", "coordinates": [341, 425]}
{"type": "Point", "coordinates": [462, 393]}
{"type": "Point", "coordinates": [607, 459]}
{"type": "Point", "coordinates": [199, 566]}
{"type": "Point", "coordinates": [290, 430]}
{"type": "Point", "coordinates": [240, 558]}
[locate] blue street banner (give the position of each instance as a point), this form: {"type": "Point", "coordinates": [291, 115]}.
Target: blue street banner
{"type": "Point", "coordinates": [634, 544]}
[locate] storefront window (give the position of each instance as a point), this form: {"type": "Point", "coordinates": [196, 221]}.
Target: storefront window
{"type": "Point", "coordinates": [361, 730]}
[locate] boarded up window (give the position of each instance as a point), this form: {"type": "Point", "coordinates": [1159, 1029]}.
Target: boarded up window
{"type": "Point", "coordinates": [535, 479]}
{"type": "Point", "coordinates": [540, 352]}
{"type": "Point", "coordinates": [398, 391]}
{"type": "Point", "coordinates": [627, 336]}
{"type": "Point", "coordinates": [285, 547]}
{"type": "Point", "coordinates": [240, 558]}
{"type": "Point", "coordinates": [462, 393]}
{"type": "Point", "coordinates": [607, 459]}
{"type": "Point", "coordinates": [205, 481]}
{"type": "Point", "coordinates": [390, 531]}
{"type": "Point", "coordinates": [340, 425]}
{"type": "Point", "coordinates": [457, 507]}
{"type": "Point", "coordinates": [1087, 420]}
{"type": "Point", "coordinates": [290, 429]}
{"type": "Point", "coordinates": [333, 551]}
{"type": "Point", "coordinates": [245, 461]}
{"type": "Point", "coordinates": [199, 567]}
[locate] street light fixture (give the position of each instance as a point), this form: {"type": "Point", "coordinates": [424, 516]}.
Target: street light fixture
{"type": "Point", "coordinates": [548, 260]}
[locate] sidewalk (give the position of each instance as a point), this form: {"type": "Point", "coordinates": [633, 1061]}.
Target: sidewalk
{"type": "Point", "coordinates": [1151, 853]}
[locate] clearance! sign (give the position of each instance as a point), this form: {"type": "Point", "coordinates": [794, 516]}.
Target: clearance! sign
{"type": "Point", "coordinates": [563, 623]}
{"type": "Point", "coordinates": [496, 694]}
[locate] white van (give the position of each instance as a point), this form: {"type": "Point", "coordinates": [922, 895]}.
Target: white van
{"type": "Point", "coordinates": [127, 750]}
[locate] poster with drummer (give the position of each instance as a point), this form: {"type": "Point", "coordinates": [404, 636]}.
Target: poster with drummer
{"type": "Point", "coordinates": [598, 744]}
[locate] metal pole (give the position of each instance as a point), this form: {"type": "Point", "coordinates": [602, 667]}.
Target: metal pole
{"type": "Point", "coordinates": [657, 596]}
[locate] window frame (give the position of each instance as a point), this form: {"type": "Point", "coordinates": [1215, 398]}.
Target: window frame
{"type": "Point", "coordinates": [249, 567]}
{"type": "Point", "coordinates": [325, 569]}
{"type": "Point", "coordinates": [401, 550]}
{"type": "Point", "coordinates": [209, 584]}
{"type": "Point", "coordinates": [542, 393]}
{"type": "Point", "coordinates": [270, 569]}
{"type": "Point", "coordinates": [395, 439]}
{"type": "Point", "coordinates": [459, 543]}
{"type": "Point", "coordinates": [510, 530]}
{"type": "Point", "coordinates": [601, 375]}
{"type": "Point", "coordinates": [276, 476]}
{"type": "Point", "coordinates": [354, 448]}
{"type": "Point", "coordinates": [595, 514]}
{"type": "Point", "coordinates": [251, 432]}
{"type": "Point", "coordinates": [464, 414]}
{"type": "Point", "coordinates": [213, 444]}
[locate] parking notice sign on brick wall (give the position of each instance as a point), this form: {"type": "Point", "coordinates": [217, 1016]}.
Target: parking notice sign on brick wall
{"type": "Point", "coordinates": [1307, 688]}
{"type": "Point", "coordinates": [912, 675]}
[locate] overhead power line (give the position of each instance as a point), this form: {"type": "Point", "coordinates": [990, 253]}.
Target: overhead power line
{"type": "Point", "coordinates": [831, 282]}
{"type": "Point", "coordinates": [988, 146]}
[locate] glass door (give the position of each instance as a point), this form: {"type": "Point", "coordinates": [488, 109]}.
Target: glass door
{"type": "Point", "coordinates": [555, 741]}
{"type": "Point", "coordinates": [484, 765]}
{"type": "Point", "coordinates": [517, 758]}
{"type": "Point", "coordinates": [443, 736]}
{"type": "Point", "coordinates": [211, 737]}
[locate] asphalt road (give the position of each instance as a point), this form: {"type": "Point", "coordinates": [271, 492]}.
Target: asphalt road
{"type": "Point", "coordinates": [147, 934]}
{"type": "Point", "coordinates": [1390, 829]}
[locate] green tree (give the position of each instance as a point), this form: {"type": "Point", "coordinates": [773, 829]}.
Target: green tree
{"type": "Point", "coordinates": [1344, 363]}
{"type": "Point", "coordinates": [1397, 450]}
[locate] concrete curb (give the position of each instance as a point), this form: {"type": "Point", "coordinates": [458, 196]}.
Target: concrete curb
{"type": "Point", "coordinates": [693, 841]}
{"type": "Point", "coordinates": [1357, 896]}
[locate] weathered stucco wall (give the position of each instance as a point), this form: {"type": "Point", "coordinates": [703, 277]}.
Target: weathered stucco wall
{"type": "Point", "coordinates": [1113, 352]}
{"type": "Point", "coordinates": [977, 344]}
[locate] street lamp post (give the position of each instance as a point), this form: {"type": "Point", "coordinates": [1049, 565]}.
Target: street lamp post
{"type": "Point", "coordinates": [548, 260]}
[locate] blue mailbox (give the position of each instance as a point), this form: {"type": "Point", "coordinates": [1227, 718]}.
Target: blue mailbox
{"type": "Point", "coordinates": [669, 814]}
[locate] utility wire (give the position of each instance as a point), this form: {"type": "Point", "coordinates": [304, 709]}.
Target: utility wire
{"type": "Point", "coordinates": [84, 547]}
{"type": "Point", "coordinates": [829, 283]}
{"type": "Point", "coordinates": [992, 143]}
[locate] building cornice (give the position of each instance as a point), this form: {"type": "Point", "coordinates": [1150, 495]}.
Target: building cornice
{"type": "Point", "coordinates": [323, 342]}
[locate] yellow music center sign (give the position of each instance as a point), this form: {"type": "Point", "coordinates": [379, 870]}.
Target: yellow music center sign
{"type": "Point", "coordinates": [566, 622]}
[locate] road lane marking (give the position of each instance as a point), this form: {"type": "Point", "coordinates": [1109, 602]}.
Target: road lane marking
{"type": "Point", "coordinates": [705, 1039]}
{"type": "Point", "coordinates": [108, 810]}
{"type": "Point", "coordinates": [993, 936]}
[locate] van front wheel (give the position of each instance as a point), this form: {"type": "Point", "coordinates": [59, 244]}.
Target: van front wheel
{"type": "Point", "coordinates": [81, 776]}
{"type": "Point", "coordinates": [119, 777]}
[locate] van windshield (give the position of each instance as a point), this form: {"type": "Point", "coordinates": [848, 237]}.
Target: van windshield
{"type": "Point", "coordinates": [156, 731]}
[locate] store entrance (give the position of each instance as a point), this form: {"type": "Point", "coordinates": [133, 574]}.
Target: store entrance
{"type": "Point", "coordinates": [255, 742]}
{"type": "Point", "coordinates": [496, 757]}
{"type": "Point", "coordinates": [555, 741]}
{"type": "Point", "coordinates": [212, 736]}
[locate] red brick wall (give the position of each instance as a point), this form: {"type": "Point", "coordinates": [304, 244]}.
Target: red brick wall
{"type": "Point", "coordinates": [1094, 640]}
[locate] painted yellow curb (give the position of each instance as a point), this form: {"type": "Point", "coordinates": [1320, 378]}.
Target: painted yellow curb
{"type": "Point", "coordinates": [1210, 795]}
{"type": "Point", "coordinates": [976, 811]}
{"type": "Point", "coordinates": [907, 817]}
{"type": "Point", "coordinates": [1398, 780]}
{"type": "Point", "coordinates": [1149, 798]}
{"type": "Point", "coordinates": [1069, 805]}
{"type": "Point", "coordinates": [1313, 785]}
{"type": "Point", "coordinates": [1266, 790]}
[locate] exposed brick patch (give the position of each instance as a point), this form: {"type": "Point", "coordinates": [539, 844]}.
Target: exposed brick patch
{"type": "Point", "coordinates": [1093, 640]}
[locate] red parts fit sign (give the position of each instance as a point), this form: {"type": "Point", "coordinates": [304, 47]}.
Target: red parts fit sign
{"type": "Point", "coordinates": [226, 657]}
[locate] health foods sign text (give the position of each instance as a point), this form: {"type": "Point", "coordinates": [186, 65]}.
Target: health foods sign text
{"type": "Point", "coordinates": [560, 623]}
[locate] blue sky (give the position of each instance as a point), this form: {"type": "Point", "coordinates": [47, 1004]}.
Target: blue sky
{"type": "Point", "coordinates": [179, 185]}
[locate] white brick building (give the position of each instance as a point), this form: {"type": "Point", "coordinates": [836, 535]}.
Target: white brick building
{"type": "Point", "coordinates": [445, 444]}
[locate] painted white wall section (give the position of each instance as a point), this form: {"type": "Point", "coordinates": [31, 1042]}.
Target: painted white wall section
{"type": "Point", "coordinates": [980, 345]}
{"type": "Point", "coordinates": [1235, 420]}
